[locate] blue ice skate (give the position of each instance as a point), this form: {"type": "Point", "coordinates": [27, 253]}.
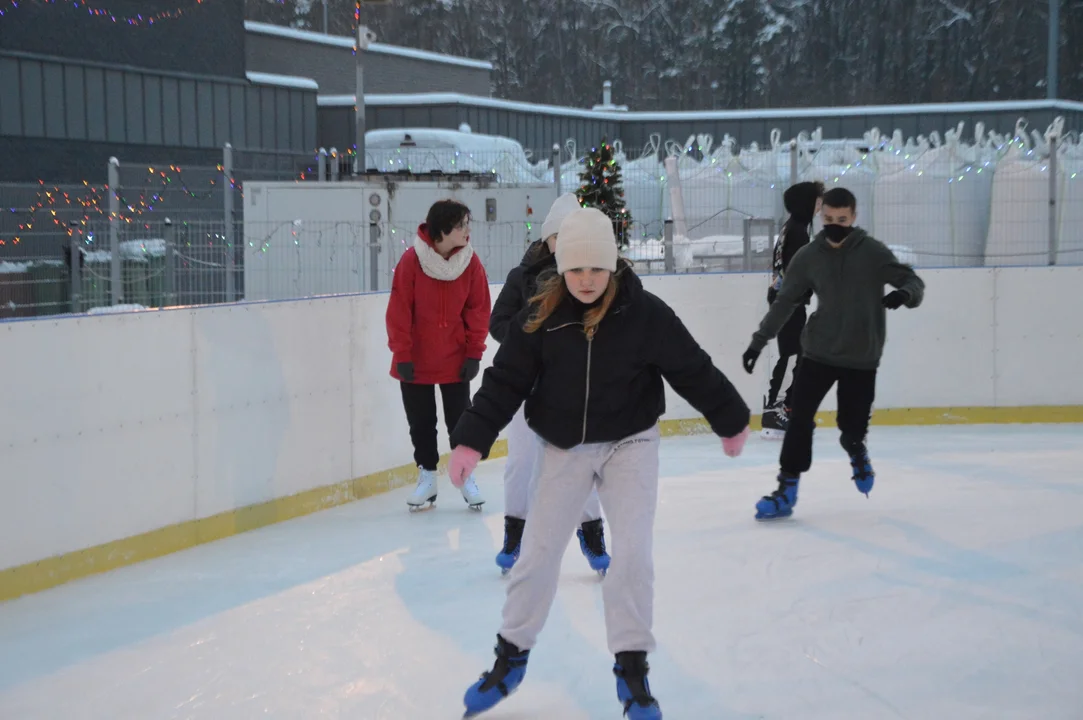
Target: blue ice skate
{"type": "Point", "coordinates": [863, 475]}
{"type": "Point", "coordinates": [498, 683]}
{"type": "Point", "coordinates": [513, 542]}
{"type": "Point", "coordinates": [633, 690]}
{"type": "Point", "coordinates": [781, 502]}
{"type": "Point", "coordinates": [592, 543]}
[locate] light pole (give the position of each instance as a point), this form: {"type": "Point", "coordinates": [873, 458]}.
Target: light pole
{"type": "Point", "coordinates": [1053, 49]}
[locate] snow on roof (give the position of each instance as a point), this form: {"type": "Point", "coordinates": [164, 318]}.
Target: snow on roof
{"type": "Point", "coordinates": [438, 138]}
{"type": "Point", "coordinates": [342, 41]}
{"type": "Point", "coordinates": [290, 81]}
{"type": "Point", "coordinates": [657, 116]}
{"type": "Point", "coordinates": [340, 100]}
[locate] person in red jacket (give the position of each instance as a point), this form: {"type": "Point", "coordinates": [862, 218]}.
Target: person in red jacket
{"type": "Point", "coordinates": [437, 320]}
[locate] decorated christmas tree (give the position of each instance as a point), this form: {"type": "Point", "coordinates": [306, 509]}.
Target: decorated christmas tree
{"type": "Point", "coordinates": [601, 187]}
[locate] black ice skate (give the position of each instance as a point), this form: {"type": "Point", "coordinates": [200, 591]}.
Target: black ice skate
{"type": "Point", "coordinates": [775, 420]}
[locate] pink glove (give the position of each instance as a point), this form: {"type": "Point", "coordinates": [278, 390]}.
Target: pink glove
{"type": "Point", "coordinates": [732, 446]}
{"type": "Point", "coordinates": [463, 461]}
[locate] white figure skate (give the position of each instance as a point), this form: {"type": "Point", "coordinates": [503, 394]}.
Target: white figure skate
{"type": "Point", "coordinates": [425, 492]}
{"type": "Point", "coordinates": [472, 495]}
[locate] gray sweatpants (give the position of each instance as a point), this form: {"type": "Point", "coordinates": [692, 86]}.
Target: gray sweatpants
{"type": "Point", "coordinates": [520, 472]}
{"type": "Point", "coordinates": [626, 475]}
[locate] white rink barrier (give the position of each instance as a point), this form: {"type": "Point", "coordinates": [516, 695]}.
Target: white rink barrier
{"type": "Point", "coordinates": [120, 425]}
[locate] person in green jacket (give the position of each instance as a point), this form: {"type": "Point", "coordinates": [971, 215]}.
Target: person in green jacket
{"type": "Point", "coordinates": [842, 342]}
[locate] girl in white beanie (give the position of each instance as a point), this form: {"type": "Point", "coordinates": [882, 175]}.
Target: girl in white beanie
{"type": "Point", "coordinates": [589, 362]}
{"type": "Point", "coordinates": [524, 449]}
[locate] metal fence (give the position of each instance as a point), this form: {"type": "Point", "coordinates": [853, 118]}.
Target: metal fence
{"type": "Point", "coordinates": [166, 235]}
{"type": "Point", "coordinates": [167, 264]}
{"type": "Point", "coordinates": [57, 241]}
{"type": "Point", "coordinates": [304, 259]}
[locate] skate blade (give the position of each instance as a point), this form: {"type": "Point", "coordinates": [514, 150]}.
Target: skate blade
{"type": "Point", "coordinates": [772, 434]}
{"type": "Point", "coordinates": [773, 516]}
{"type": "Point", "coordinates": [423, 507]}
{"type": "Point", "coordinates": [476, 506]}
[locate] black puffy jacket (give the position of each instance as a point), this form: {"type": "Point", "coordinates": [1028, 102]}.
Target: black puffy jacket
{"type": "Point", "coordinates": [520, 286]}
{"type": "Point", "coordinates": [599, 390]}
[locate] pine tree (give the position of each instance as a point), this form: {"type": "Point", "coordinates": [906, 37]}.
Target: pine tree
{"type": "Point", "coordinates": [603, 188]}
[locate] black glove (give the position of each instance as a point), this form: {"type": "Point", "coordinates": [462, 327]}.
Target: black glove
{"type": "Point", "coordinates": [771, 295]}
{"type": "Point", "coordinates": [895, 299]}
{"type": "Point", "coordinates": [406, 371]}
{"type": "Point", "coordinates": [470, 369]}
{"type": "Point", "coordinates": [749, 359]}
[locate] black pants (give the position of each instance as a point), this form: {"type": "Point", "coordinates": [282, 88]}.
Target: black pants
{"type": "Point", "coordinates": [856, 392]}
{"type": "Point", "coordinates": [419, 401]}
{"type": "Point", "coordinates": [789, 345]}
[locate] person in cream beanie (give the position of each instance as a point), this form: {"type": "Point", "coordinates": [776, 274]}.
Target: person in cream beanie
{"type": "Point", "coordinates": [564, 206]}
{"type": "Point", "coordinates": [524, 446]}
{"type": "Point", "coordinates": [586, 240]}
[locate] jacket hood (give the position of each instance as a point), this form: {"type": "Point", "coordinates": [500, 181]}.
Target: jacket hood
{"type": "Point", "coordinates": [800, 200]}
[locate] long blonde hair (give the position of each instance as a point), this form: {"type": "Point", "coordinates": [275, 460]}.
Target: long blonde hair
{"type": "Point", "coordinates": [553, 290]}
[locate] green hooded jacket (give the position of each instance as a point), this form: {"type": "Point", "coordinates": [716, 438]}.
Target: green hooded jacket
{"type": "Point", "coordinates": [848, 329]}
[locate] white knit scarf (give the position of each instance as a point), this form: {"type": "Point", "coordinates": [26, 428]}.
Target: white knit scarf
{"type": "Point", "coordinates": [435, 266]}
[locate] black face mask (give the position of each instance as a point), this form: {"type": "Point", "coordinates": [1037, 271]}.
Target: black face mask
{"type": "Point", "coordinates": [836, 233]}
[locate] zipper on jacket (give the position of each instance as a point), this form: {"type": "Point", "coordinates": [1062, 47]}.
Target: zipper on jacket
{"type": "Point", "coordinates": [586, 399]}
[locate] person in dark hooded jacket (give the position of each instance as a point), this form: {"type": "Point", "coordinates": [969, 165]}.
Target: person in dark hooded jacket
{"type": "Point", "coordinates": [523, 445]}
{"type": "Point", "coordinates": [589, 362]}
{"type": "Point", "coordinates": [802, 202]}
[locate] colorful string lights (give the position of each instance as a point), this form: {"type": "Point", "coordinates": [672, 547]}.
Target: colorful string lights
{"type": "Point", "coordinates": [95, 10]}
{"type": "Point", "coordinates": [71, 209]}
{"type": "Point", "coordinates": [58, 205]}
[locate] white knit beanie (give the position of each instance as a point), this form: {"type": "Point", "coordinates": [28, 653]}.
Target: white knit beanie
{"type": "Point", "coordinates": [586, 240]}
{"type": "Point", "coordinates": [562, 207]}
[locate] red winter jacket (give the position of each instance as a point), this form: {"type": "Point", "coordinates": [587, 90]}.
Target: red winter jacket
{"type": "Point", "coordinates": [438, 313]}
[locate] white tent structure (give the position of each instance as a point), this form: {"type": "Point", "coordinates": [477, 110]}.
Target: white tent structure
{"type": "Point", "coordinates": [1021, 229]}
{"type": "Point", "coordinates": [934, 198]}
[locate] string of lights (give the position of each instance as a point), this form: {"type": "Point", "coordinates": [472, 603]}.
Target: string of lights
{"type": "Point", "coordinates": [52, 203]}
{"type": "Point", "coordinates": [96, 10]}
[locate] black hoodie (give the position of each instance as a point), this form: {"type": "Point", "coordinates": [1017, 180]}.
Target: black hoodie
{"type": "Point", "coordinates": [519, 287]}
{"type": "Point", "coordinates": [604, 389]}
{"type": "Point", "coordinates": [800, 202]}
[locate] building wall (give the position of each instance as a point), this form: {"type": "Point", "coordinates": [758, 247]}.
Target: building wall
{"type": "Point", "coordinates": [331, 63]}
{"type": "Point", "coordinates": [538, 127]}
{"type": "Point", "coordinates": [205, 39]}
{"type": "Point", "coordinates": [60, 117]}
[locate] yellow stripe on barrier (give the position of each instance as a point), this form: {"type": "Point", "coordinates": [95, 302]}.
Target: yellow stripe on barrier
{"type": "Point", "coordinates": [918, 416]}
{"type": "Point", "coordinates": [50, 572]}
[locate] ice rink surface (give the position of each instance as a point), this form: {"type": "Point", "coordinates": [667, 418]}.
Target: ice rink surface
{"type": "Point", "coordinates": [954, 592]}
